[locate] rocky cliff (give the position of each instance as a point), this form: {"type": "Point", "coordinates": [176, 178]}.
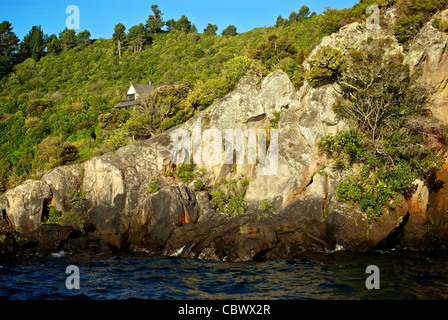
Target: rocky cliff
{"type": "Point", "coordinates": [289, 212]}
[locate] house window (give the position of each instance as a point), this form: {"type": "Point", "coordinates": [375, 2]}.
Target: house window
{"type": "Point", "coordinates": [131, 97]}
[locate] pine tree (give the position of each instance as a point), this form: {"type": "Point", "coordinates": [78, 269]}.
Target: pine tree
{"type": "Point", "coordinates": [183, 24]}
{"type": "Point", "coordinates": [67, 39]}
{"type": "Point", "coordinates": [119, 36]}
{"type": "Point", "coordinates": [33, 45]}
{"type": "Point", "coordinates": [137, 37]}
{"type": "Point", "coordinates": [8, 48]}
{"type": "Point", "coordinates": [211, 29]}
{"type": "Point", "coordinates": [53, 46]}
{"type": "Point", "coordinates": [155, 23]}
{"type": "Point", "coordinates": [83, 39]}
{"type": "Point", "coordinates": [230, 31]}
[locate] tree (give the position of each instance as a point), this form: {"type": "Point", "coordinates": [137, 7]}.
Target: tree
{"type": "Point", "coordinates": [376, 91]}
{"type": "Point", "coordinates": [281, 22]}
{"type": "Point", "coordinates": [183, 24]}
{"type": "Point", "coordinates": [33, 45]}
{"type": "Point", "coordinates": [119, 36]}
{"type": "Point", "coordinates": [193, 29]}
{"type": "Point", "coordinates": [171, 24]}
{"type": "Point", "coordinates": [67, 39]}
{"type": "Point", "coordinates": [229, 31]}
{"type": "Point", "coordinates": [155, 22]}
{"type": "Point", "coordinates": [53, 45]}
{"type": "Point", "coordinates": [83, 38]}
{"type": "Point", "coordinates": [8, 48]}
{"type": "Point", "coordinates": [211, 29]}
{"type": "Point", "coordinates": [304, 12]}
{"type": "Point", "coordinates": [137, 37]}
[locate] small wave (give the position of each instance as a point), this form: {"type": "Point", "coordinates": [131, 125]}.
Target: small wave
{"type": "Point", "coordinates": [178, 252]}
{"type": "Point", "coordinates": [59, 254]}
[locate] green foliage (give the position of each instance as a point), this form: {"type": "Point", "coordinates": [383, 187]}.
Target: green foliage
{"type": "Point", "coordinates": [78, 196]}
{"type": "Point", "coordinates": [69, 218]}
{"type": "Point", "coordinates": [230, 31]}
{"type": "Point", "coordinates": [277, 114]}
{"type": "Point", "coordinates": [54, 216]}
{"type": "Point", "coordinates": [185, 172]}
{"type": "Point", "coordinates": [272, 52]}
{"type": "Point", "coordinates": [440, 23]}
{"type": "Point", "coordinates": [67, 39]}
{"type": "Point", "coordinates": [406, 27]}
{"type": "Point", "coordinates": [387, 147]}
{"type": "Point", "coordinates": [267, 207]}
{"type": "Point", "coordinates": [155, 22]}
{"type": "Point", "coordinates": [153, 187]}
{"type": "Point", "coordinates": [295, 73]}
{"type": "Point", "coordinates": [211, 29]}
{"type": "Point", "coordinates": [33, 45]}
{"type": "Point", "coordinates": [413, 15]}
{"type": "Point", "coordinates": [199, 185]}
{"type": "Point", "coordinates": [228, 197]}
{"type": "Point", "coordinates": [239, 67]}
{"type": "Point", "coordinates": [325, 66]}
{"type": "Point", "coordinates": [8, 48]}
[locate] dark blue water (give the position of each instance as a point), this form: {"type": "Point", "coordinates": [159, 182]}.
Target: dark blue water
{"type": "Point", "coordinates": [403, 275]}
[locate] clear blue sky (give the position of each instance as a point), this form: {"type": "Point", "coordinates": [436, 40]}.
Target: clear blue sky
{"type": "Point", "coordinates": [100, 16]}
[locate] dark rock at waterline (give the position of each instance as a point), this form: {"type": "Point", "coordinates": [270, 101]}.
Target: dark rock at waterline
{"type": "Point", "coordinates": [47, 237]}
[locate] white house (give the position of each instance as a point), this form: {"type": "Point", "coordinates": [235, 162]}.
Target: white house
{"type": "Point", "coordinates": [137, 92]}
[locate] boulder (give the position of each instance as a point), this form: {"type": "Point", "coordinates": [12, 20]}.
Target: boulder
{"type": "Point", "coordinates": [24, 204]}
{"type": "Point", "coordinates": [65, 182]}
{"type": "Point", "coordinates": [48, 237]}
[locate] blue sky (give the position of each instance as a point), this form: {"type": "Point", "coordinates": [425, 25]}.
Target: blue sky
{"type": "Point", "coordinates": [100, 16]}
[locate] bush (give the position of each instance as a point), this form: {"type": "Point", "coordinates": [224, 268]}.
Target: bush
{"type": "Point", "coordinates": [228, 197]}
{"type": "Point", "coordinates": [185, 172]}
{"type": "Point", "coordinates": [326, 65]}
{"type": "Point", "coordinates": [406, 27]}
{"type": "Point", "coordinates": [389, 135]}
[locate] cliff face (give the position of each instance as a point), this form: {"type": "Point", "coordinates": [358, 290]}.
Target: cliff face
{"type": "Point", "coordinates": [109, 193]}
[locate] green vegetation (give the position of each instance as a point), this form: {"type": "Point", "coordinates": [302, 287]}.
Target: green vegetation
{"type": "Point", "coordinates": [69, 218]}
{"type": "Point", "coordinates": [413, 14]}
{"type": "Point", "coordinates": [185, 172]}
{"type": "Point", "coordinates": [228, 196]}
{"type": "Point", "coordinates": [266, 207]}
{"type": "Point", "coordinates": [58, 91]}
{"type": "Point", "coordinates": [153, 187]}
{"type": "Point", "coordinates": [388, 146]}
{"type": "Point", "coordinates": [326, 65]}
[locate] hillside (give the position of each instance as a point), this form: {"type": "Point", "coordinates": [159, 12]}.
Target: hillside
{"type": "Point", "coordinates": [356, 158]}
{"type": "Point", "coordinates": [58, 110]}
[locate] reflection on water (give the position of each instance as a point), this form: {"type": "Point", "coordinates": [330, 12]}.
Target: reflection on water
{"type": "Point", "coordinates": [403, 275]}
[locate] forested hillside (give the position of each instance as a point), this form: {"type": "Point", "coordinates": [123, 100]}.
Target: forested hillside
{"type": "Point", "coordinates": [58, 91]}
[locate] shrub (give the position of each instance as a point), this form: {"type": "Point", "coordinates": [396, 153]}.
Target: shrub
{"type": "Point", "coordinates": [152, 186]}
{"type": "Point", "coordinates": [406, 27]}
{"type": "Point", "coordinates": [185, 172]}
{"type": "Point", "coordinates": [228, 196]}
{"type": "Point", "coordinates": [389, 135]}
{"type": "Point", "coordinates": [326, 65]}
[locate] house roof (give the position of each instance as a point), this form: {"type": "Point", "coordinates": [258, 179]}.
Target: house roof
{"type": "Point", "coordinates": [142, 91]}
{"type": "Point", "coordinates": [145, 89]}
{"type": "Point", "coordinates": [126, 104]}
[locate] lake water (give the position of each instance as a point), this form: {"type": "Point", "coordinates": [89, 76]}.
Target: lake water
{"type": "Point", "coordinates": [338, 275]}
